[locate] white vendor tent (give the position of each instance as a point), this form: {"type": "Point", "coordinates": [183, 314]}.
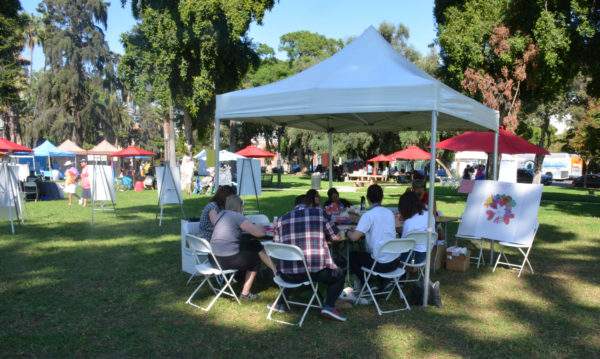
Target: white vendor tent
{"type": "Point", "coordinates": [368, 86]}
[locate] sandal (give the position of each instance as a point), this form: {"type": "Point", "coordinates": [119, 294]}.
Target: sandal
{"type": "Point", "coordinates": [249, 296]}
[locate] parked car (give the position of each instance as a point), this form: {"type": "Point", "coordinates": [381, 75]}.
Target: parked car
{"type": "Point", "coordinates": [295, 168]}
{"type": "Point", "coordinates": [525, 175]}
{"type": "Point", "coordinates": [593, 181]}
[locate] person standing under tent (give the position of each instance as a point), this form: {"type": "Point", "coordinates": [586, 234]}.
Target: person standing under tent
{"type": "Point", "coordinates": [86, 186]}
{"type": "Point", "coordinates": [187, 173]}
{"type": "Point", "coordinates": [71, 175]}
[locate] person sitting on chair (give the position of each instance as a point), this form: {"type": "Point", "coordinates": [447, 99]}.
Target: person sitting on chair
{"type": "Point", "coordinates": [335, 204]}
{"type": "Point", "coordinates": [378, 226]}
{"type": "Point", "coordinates": [212, 210]}
{"type": "Point", "coordinates": [415, 219]}
{"type": "Point", "coordinates": [234, 252]}
{"type": "Point", "coordinates": [313, 198]}
{"type": "Point", "coordinates": [307, 227]}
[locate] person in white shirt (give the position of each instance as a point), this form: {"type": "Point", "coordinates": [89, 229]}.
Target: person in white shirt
{"type": "Point", "coordinates": [378, 226]}
{"type": "Point", "coordinates": [415, 218]}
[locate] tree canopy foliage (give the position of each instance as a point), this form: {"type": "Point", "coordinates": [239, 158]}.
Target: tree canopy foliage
{"type": "Point", "coordinates": [183, 53]}
{"type": "Point", "coordinates": [71, 102]}
{"type": "Point", "coordinates": [11, 43]}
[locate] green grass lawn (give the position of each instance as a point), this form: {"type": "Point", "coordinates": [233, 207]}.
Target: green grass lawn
{"type": "Point", "coordinates": [116, 289]}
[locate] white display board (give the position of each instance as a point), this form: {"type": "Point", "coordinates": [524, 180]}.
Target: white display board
{"type": "Point", "coordinates": [501, 211]}
{"type": "Point", "coordinates": [9, 186]}
{"type": "Point", "coordinates": [102, 183]}
{"type": "Point", "coordinates": [508, 169]}
{"type": "Point", "coordinates": [169, 190]}
{"type": "Point", "coordinates": [248, 177]}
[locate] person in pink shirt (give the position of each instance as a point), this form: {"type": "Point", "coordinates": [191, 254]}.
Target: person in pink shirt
{"type": "Point", "coordinates": [86, 187]}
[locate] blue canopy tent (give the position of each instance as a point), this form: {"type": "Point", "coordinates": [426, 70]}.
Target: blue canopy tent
{"type": "Point", "coordinates": [43, 155]}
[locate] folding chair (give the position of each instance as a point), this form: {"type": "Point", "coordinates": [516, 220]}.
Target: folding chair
{"type": "Point", "coordinates": [288, 252]}
{"type": "Point", "coordinates": [522, 243]}
{"type": "Point", "coordinates": [420, 238]}
{"type": "Point", "coordinates": [31, 191]}
{"type": "Point", "coordinates": [258, 219]}
{"type": "Point", "coordinates": [394, 246]}
{"type": "Point", "coordinates": [201, 246]}
{"type": "Point", "coordinates": [478, 243]}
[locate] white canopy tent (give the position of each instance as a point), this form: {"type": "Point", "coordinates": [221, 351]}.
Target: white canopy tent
{"type": "Point", "coordinates": [368, 86]}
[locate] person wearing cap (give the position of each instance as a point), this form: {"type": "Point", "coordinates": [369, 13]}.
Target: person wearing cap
{"type": "Point", "coordinates": [71, 175]}
{"type": "Point", "coordinates": [86, 186]}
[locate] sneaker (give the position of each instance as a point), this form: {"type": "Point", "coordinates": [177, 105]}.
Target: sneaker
{"type": "Point", "coordinates": [249, 296]}
{"type": "Point", "coordinates": [80, 201]}
{"type": "Point", "coordinates": [333, 314]}
{"type": "Point", "coordinates": [279, 307]}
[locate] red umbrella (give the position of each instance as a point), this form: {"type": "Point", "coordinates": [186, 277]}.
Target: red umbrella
{"type": "Point", "coordinates": [484, 142]}
{"type": "Point", "coordinates": [6, 145]}
{"type": "Point", "coordinates": [411, 153]}
{"type": "Point", "coordinates": [132, 151]}
{"type": "Point", "coordinates": [254, 152]}
{"type": "Point", "coordinates": [381, 158]}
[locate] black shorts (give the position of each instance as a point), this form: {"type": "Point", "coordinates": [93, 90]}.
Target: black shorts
{"type": "Point", "coordinates": [86, 193]}
{"type": "Point", "coordinates": [246, 259]}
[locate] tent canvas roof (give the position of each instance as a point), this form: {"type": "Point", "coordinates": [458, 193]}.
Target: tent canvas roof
{"type": "Point", "coordinates": [367, 86]}
{"type": "Point", "coordinates": [48, 149]}
{"type": "Point", "coordinates": [103, 148]}
{"type": "Point", "coordinates": [70, 146]}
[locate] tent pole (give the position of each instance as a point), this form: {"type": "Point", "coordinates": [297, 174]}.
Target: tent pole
{"type": "Point", "coordinates": [430, 206]}
{"type": "Point", "coordinates": [329, 135]}
{"type": "Point", "coordinates": [496, 155]}
{"type": "Point", "coordinates": [217, 144]}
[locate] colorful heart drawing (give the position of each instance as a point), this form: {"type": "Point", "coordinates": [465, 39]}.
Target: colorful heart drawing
{"type": "Point", "coordinates": [499, 208]}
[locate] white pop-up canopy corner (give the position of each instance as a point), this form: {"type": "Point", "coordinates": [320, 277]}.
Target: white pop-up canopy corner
{"type": "Point", "coordinates": [366, 87]}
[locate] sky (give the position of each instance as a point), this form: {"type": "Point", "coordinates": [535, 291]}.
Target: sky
{"type": "Point", "coordinates": [337, 19]}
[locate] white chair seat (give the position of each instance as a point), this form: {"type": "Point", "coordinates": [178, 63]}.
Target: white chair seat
{"type": "Point", "coordinates": [208, 269]}
{"type": "Point", "coordinates": [282, 283]}
{"type": "Point", "coordinates": [395, 273]}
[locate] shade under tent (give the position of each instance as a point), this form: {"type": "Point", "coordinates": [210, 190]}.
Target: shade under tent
{"type": "Point", "coordinates": [366, 87]}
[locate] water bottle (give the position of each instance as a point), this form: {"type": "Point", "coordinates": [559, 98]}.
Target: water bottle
{"type": "Point", "coordinates": [363, 205]}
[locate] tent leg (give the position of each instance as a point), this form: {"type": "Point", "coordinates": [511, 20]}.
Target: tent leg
{"type": "Point", "coordinates": [217, 145]}
{"type": "Point", "coordinates": [496, 156]}
{"type": "Point", "coordinates": [430, 206]}
{"type": "Point", "coordinates": [329, 135]}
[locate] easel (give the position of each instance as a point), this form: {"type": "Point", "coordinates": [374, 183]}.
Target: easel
{"type": "Point", "coordinates": [104, 181]}
{"type": "Point", "coordinates": [9, 188]}
{"type": "Point", "coordinates": [241, 180]}
{"type": "Point", "coordinates": [160, 205]}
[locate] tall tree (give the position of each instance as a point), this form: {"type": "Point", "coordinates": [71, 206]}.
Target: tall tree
{"type": "Point", "coordinates": [11, 72]}
{"type": "Point", "coordinates": [32, 38]}
{"type": "Point", "coordinates": [506, 50]}
{"type": "Point", "coordinates": [197, 49]}
{"type": "Point", "coordinates": [78, 58]}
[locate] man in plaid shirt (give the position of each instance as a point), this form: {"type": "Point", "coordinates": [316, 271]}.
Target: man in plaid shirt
{"type": "Point", "coordinates": [308, 228]}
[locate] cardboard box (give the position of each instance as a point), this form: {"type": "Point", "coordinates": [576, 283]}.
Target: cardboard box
{"type": "Point", "coordinates": [458, 263]}
{"type": "Point", "coordinates": [437, 263]}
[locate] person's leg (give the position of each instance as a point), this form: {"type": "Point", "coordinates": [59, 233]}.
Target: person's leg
{"type": "Point", "coordinates": [70, 199]}
{"type": "Point", "coordinates": [250, 276]}
{"type": "Point", "coordinates": [358, 260]}
{"type": "Point", "coordinates": [265, 259]}
{"type": "Point", "coordinates": [335, 284]}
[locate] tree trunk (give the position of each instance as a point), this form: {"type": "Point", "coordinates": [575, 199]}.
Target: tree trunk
{"type": "Point", "coordinates": [12, 125]}
{"type": "Point", "coordinates": [187, 130]}
{"type": "Point", "coordinates": [169, 135]}
{"type": "Point", "coordinates": [544, 143]}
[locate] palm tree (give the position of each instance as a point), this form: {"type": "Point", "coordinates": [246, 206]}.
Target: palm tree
{"type": "Point", "coordinates": [32, 38]}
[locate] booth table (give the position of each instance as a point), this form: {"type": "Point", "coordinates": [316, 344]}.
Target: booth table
{"type": "Point", "coordinates": [366, 178]}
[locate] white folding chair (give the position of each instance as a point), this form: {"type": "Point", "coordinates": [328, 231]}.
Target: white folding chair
{"type": "Point", "coordinates": [288, 252]}
{"type": "Point", "coordinates": [395, 246]}
{"type": "Point", "coordinates": [258, 219]}
{"type": "Point", "coordinates": [523, 245]}
{"type": "Point", "coordinates": [420, 238]}
{"type": "Point", "coordinates": [478, 243]}
{"type": "Point", "coordinates": [207, 270]}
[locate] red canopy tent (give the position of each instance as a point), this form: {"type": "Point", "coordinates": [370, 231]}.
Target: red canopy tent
{"type": "Point", "coordinates": [484, 142]}
{"type": "Point", "coordinates": [381, 158]}
{"type": "Point", "coordinates": [132, 151]}
{"type": "Point", "coordinates": [7, 146]}
{"type": "Point", "coordinates": [411, 153]}
{"type": "Point", "coordinates": [254, 152]}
